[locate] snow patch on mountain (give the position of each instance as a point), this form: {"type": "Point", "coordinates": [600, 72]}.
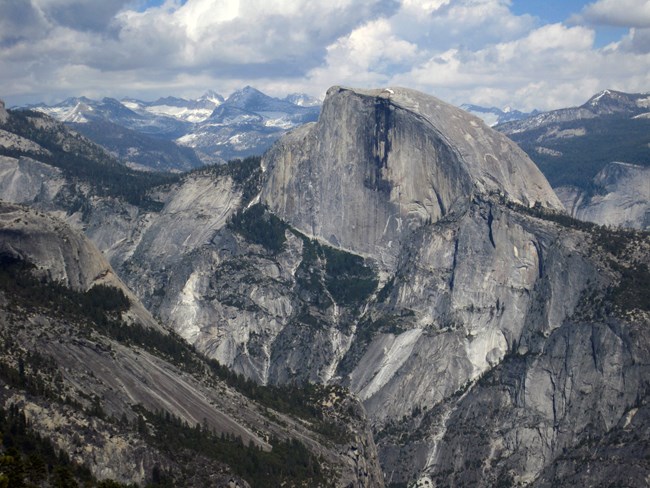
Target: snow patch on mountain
{"type": "Point", "coordinates": [218, 129]}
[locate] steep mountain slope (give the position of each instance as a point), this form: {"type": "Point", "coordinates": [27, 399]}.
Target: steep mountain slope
{"type": "Point", "coordinates": [572, 145]}
{"type": "Point", "coordinates": [419, 258]}
{"type": "Point", "coordinates": [618, 196]}
{"type": "Point", "coordinates": [245, 124]}
{"type": "Point", "coordinates": [406, 158]}
{"type": "Point", "coordinates": [494, 116]}
{"type": "Point", "coordinates": [131, 400]}
{"type": "Point", "coordinates": [146, 133]}
{"type": "Point", "coordinates": [139, 150]}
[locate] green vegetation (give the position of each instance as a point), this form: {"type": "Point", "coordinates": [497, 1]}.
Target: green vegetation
{"type": "Point", "coordinates": [259, 226]}
{"type": "Point", "coordinates": [344, 276]}
{"type": "Point", "coordinates": [101, 303]}
{"type": "Point", "coordinates": [607, 139]}
{"type": "Point", "coordinates": [84, 161]}
{"type": "Point", "coordinates": [348, 278]}
{"type": "Point", "coordinates": [289, 462]}
{"type": "Point", "coordinates": [246, 173]}
{"type": "Point", "coordinates": [29, 460]}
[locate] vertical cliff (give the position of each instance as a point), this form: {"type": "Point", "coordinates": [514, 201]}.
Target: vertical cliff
{"type": "Point", "coordinates": [380, 163]}
{"type": "Point", "coordinates": [401, 248]}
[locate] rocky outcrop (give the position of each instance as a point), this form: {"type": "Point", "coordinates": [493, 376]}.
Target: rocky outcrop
{"type": "Point", "coordinates": [87, 383]}
{"type": "Point", "coordinates": [619, 197]}
{"type": "Point", "coordinates": [473, 285]}
{"type": "Point", "coordinates": [61, 255]}
{"type": "Point", "coordinates": [380, 163]}
{"type": "Point", "coordinates": [4, 115]}
{"type": "Point", "coordinates": [25, 180]}
{"type": "Point", "coordinates": [424, 263]}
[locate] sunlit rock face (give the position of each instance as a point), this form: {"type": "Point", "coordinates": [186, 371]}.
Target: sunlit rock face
{"type": "Point", "coordinates": [492, 338]}
{"type": "Point", "coordinates": [482, 316]}
{"type": "Point", "coordinates": [621, 197]}
{"type": "Point", "coordinates": [380, 163]}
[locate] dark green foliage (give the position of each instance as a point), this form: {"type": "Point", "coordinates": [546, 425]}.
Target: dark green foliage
{"type": "Point", "coordinates": [633, 289]}
{"type": "Point", "coordinates": [260, 226]}
{"type": "Point", "coordinates": [98, 303]}
{"type": "Point", "coordinates": [246, 173]}
{"type": "Point", "coordinates": [87, 162]}
{"type": "Point", "coordinates": [607, 139]}
{"type": "Point", "coordinates": [561, 218]}
{"type": "Point", "coordinates": [31, 460]}
{"type": "Point", "coordinates": [346, 277]}
{"type": "Point", "coordinates": [288, 462]}
{"type": "Point", "coordinates": [106, 298]}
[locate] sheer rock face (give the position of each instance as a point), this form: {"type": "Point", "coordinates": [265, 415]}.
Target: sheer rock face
{"type": "Point", "coordinates": [381, 163]}
{"type": "Point", "coordinates": [61, 254]}
{"type": "Point", "coordinates": [3, 112]}
{"type": "Point", "coordinates": [484, 356]}
{"type": "Point", "coordinates": [621, 198]}
{"type": "Point", "coordinates": [92, 366]}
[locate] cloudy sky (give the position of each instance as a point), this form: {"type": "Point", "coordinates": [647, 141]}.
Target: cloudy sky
{"type": "Point", "coordinates": [528, 54]}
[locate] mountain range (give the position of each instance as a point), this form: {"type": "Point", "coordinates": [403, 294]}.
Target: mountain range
{"type": "Point", "coordinates": [403, 271]}
{"type": "Point", "coordinates": [572, 145]}
{"type": "Point", "coordinates": [247, 123]}
{"type": "Point", "coordinates": [495, 116]}
{"type": "Point", "coordinates": [178, 134]}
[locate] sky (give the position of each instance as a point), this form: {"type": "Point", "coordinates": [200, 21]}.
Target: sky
{"type": "Point", "coordinates": [525, 54]}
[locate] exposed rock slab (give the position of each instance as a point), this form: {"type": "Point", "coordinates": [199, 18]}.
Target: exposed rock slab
{"type": "Point", "coordinates": [621, 197]}
{"type": "Point", "coordinates": [380, 163]}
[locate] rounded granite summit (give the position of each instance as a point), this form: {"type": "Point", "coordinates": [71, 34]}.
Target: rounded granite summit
{"type": "Point", "coordinates": [380, 162]}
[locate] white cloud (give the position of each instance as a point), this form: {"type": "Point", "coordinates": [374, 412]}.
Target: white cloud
{"type": "Point", "coordinates": [623, 13]}
{"type": "Point", "coordinates": [461, 50]}
{"type": "Point", "coordinates": [552, 66]}
{"type": "Point", "coordinates": [637, 41]}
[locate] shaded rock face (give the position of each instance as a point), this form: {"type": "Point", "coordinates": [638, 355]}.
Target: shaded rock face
{"type": "Point", "coordinates": [3, 112]}
{"type": "Point", "coordinates": [82, 367]}
{"type": "Point", "coordinates": [381, 163]}
{"type": "Point", "coordinates": [621, 197]}
{"type": "Point", "coordinates": [487, 344]}
{"type": "Point", "coordinates": [520, 366]}
{"type": "Point", "coordinates": [61, 254]}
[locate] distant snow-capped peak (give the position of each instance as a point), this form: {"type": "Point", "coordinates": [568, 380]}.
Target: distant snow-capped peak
{"type": "Point", "coordinates": [493, 115]}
